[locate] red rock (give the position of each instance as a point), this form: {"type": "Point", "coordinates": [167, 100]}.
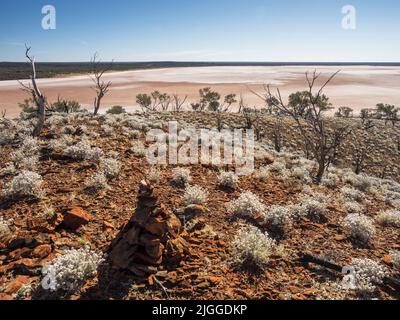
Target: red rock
{"type": "Point", "coordinates": [42, 251]}
{"type": "Point", "coordinates": [16, 284]}
{"type": "Point", "coordinates": [388, 259]}
{"type": "Point", "coordinates": [214, 280]}
{"type": "Point", "coordinates": [6, 297]}
{"type": "Point", "coordinates": [75, 217]}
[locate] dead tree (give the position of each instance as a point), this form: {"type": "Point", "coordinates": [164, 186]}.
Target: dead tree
{"type": "Point", "coordinates": [101, 87]}
{"type": "Point", "coordinates": [178, 103]}
{"type": "Point", "coordinates": [3, 113]}
{"type": "Point", "coordinates": [38, 98]}
{"type": "Point", "coordinates": [320, 140]}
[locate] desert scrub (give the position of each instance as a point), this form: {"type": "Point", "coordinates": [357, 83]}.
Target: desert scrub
{"type": "Point", "coordinates": [27, 155]}
{"type": "Point", "coordinates": [153, 175]}
{"type": "Point", "coordinates": [352, 207]}
{"type": "Point", "coordinates": [138, 149]}
{"type": "Point", "coordinates": [390, 218]}
{"type": "Point", "coordinates": [367, 274]}
{"type": "Point", "coordinates": [195, 195]}
{"type": "Point", "coordinates": [181, 177]}
{"type": "Point", "coordinates": [228, 180]}
{"type": "Point", "coordinates": [83, 151]}
{"type": "Point", "coordinates": [248, 204]}
{"type": "Point", "coordinates": [69, 271]}
{"type": "Point", "coordinates": [314, 207]}
{"type": "Point", "coordinates": [110, 167]}
{"type": "Point", "coordinates": [252, 247]}
{"type": "Point", "coordinates": [352, 194]}
{"type": "Point", "coordinates": [97, 181]}
{"type": "Point", "coordinates": [26, 184]}
{"type": "Point", "coordinates": [396, 259]}
{"type": "Point", "coordinates": [262, 174]}
{"type": "Point", "coordinates": [359, 227]}
{"type": "Point", "coordinates": [5, 231]}
{"type": "Point", "coordinates": [279, 217]}
{"type": "Point", "coordinates": [330, 180]}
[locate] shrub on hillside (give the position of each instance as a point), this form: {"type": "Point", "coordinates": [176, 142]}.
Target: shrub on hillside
{"type": "Point", "coordinates": [252, 247]}
{"type": "Point", "coordinates": [181, 177]}
{"type": "Point", "coordinates": [195, 195]}
{"type": "Point", "coordinates": [359, 227]}
{"type": "Point", "coordinates": [248, 204]}
{"type": "Point", "coordinates": [116, 110]}
{"type": "Point", "coordinates": [26, 184]}
{"type": "Point", "coordinates": [69, 271]}
{"type": "Point", "coordinates": [390, 218]}
{"type": "Point", "coordinates": [228, 180]}
{"type": "Point", "coordinates": [368, 274]}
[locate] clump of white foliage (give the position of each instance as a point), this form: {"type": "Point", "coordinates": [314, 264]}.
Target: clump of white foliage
{"type": "Point", "coordinates": [368, 274]}
{"type": "Point", "coordinates": [262, 174]}
{"type": "Point", "coordinates": [279, 217]}
{"type": "Point", "coordinates": [5, 231]}
{"type": "Point", "coordinates": [27, 155]}
{"type": "Point", "coordinates": [248, 204]}
{"type": "Point", "coordinates": [181, 177]}
{"type": "Point", "coordinates": [228, 180]}
{"type": "Point", "coordinates": [110, 167]}
{"type": "Point", "coordinates": [396, 259]}
{"type": "Point", "coordinates": [25, 184]}
{"type": "Point", "coordinates": [83, 151]}
{"type": "Point", "coordinates": [352, 207]}
{"type": "Point", "coordinates": [97, 181]}
{"type": "Point", "coordinates": [352, 194]}
{"type": "Point", "coordinates": [359, 227]}
{"type": "Point", "coordinates": [195, 195]}
{"type": "Point", "coordinates": [390, 218]}
{"type": "Point", "coordinates": [153, 175]}
{"type": "Point", "coordinates": [314, 207]}
{"type": "Point", "coordinates": [69, 271]}
{"type": "Point", "coordinates": [138, 149]}
{"type": "Point", "coordinates": [252, 246]}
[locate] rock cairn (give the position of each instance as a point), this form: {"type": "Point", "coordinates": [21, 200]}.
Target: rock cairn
{"type": "Point", "coordinates": [152, 238]}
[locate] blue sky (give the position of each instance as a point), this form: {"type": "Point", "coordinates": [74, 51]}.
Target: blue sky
{"type": "Point", "coordinates": [202, 30]}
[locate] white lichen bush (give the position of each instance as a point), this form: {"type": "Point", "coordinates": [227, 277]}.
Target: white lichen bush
{"type": "Point", "coordinates": [396, 259]}
{"type": "Point", "coordinates": [352, 194]}
{"type": "Point", "coordinates": [69, 271]}
{"type": "Point", "coordinates": [5, 231]}
{"type": "Point", "coordinates": [252, 247]}
{"type": "Point", "coordinates": [110, 167]}
{"type": "Point", "coordinates": [25, 184]}
{"type": "Point", "coordinates": [314, 207]}
{"type": "Point", "coordinates": [195, 195]}
{"type": "Point", "coordinates": [301, 174]}
{"type": "Point", "coordinates": [279, 217]}
{"type": "Point", "coordinates": [228, 180]}
{"type": "Point", "coordinates": [181, 177]}
{"type": "Point", "coordinates": [330, 180]}
{"type": "Point", "coordinates": [97, 181]}
{"type": "Point", "coordinates": [153, 175]}
{"type": "Point", "coordinates": [262, 174]}
{"type": "Point", "coordinates": [138, 149]}
{"type": "Point", "coordinates": [359, 227]}
{"type": "Point", "coordinates": [368, 274]}
{"type": "Point", "coordinates": [248, 204]}
{"type": "Point", "coordinates": [83, 151]}
{"type": "Point", "coordinates": [352, 207]}
{"type": "Point", "coordinates": [390, 218]}
{"type": "Point", "coordinates": [27, 155]}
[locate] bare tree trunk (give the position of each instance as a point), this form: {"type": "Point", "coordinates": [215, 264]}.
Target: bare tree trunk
{"type": "Point", "coordinates": [37, 96]}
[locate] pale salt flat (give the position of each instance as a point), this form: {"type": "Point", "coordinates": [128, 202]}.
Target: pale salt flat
{"type": "Point", "coordinates": [355, 86]}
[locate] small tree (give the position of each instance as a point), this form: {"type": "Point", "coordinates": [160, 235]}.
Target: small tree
{"type": "Point", "coordinates": [178, 103]}
{"type": "Point", "coordinates": [307, 109]}
{"type": "Point", "coordinates": [101, 87]}
{"type": "Point", "coordinates": [344, 112]}
{"type": "Point", "coordinates": [387, 112]}
{"type": "Point", "coordinates": [65, 106]}
{"type": "Point", "coordinates": [144, 101]}
{"type": "Point", "coordinates": [37, 97]}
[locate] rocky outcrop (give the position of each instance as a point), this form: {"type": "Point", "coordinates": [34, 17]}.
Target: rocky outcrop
{"type": "Point", "coordinates": [153, 237]}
